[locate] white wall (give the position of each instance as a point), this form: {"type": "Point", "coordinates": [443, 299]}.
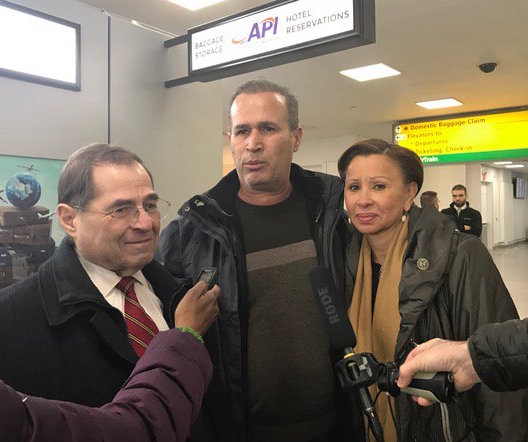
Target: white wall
{"type": "Point", "coordinates": [498, 209]}
{"type": "Point", "coordinates": [323, 153]}
{"type": "Point", "coordinates": [191, 160]}
{"type": "Point", "coordinates": [177, 132]}
{"type": "Point", "coordinates": [43, 121]}
{"type": "Point", "coordinates": [472, 184]}
{"type": "Point", "coordinates": [441, 179]}
{"type": "Point", "coordinates": [507, 213]}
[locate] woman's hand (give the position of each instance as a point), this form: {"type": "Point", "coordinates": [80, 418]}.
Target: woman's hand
{"type": "Point", "coordinates": [198, 308]}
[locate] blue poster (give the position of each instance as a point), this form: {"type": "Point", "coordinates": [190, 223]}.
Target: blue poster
{"type": "Point", "coordinates": [28, 229]}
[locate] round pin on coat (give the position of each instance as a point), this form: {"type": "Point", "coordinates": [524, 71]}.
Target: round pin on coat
{"type": "Point", "coordinates": [422, 264]}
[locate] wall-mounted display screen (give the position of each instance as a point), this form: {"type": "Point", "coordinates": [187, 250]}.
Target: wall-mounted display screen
{"type": "Point", "coordinates": [38, 47]}
{"type": "Point", "coordinates": [476, 136]}
{"type": "Point", "coordinates": [520, 187]}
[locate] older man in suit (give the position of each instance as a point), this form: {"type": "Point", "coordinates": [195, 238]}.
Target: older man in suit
{"type": "Point", "coordinates": [74, 330]}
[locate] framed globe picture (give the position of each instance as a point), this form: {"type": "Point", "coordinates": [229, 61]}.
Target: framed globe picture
{"type": "Point", "coordinates": [28, 230]}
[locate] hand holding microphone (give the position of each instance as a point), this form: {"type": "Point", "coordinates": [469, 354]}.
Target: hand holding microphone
{"type": "Point", "coordinates": [439, 354]}
{"type": "Point", "coordinates": [357, 371]}
{"type": "Point", "coordinates": [198, 308]}
{"type": "Point", "coordinates": [342, 341]}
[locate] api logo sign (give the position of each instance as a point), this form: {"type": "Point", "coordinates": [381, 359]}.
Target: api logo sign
{"type": "Point", "coordinates": [259, 30]}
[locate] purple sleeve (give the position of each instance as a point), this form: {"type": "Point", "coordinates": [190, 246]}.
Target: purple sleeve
{"type": "Point", "coordinates": [159, 401]}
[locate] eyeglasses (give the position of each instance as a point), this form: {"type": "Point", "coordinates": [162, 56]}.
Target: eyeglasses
{"type": "Point", "coordinates": [156, 209]}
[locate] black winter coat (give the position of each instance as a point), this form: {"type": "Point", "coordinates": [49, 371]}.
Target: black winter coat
{"type": "Point", "coordinates": [500, 354]}
{"type": "Point", "coordinates": [207, 234]}
{"type": "Point", "coordinates": [466, 217]}
{"type": "Point", "coordinates": [60, 339]}
{"type": "Point", "coordinates": [460, 290]}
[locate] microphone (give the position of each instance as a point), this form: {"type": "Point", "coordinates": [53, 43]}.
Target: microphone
{"type": "Point", "coordinates": [342, 337]}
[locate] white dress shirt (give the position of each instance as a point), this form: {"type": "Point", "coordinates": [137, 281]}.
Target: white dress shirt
{"type": "Point", "coordinates": [105, 280]}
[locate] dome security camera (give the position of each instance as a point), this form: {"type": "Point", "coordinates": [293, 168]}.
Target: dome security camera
{"type": "Point", "coordinates": [487, 67]}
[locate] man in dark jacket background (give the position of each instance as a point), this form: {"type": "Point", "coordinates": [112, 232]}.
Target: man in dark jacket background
{"type": "Point", "coordinates": [467, 219]}
{"type": "Point", "coordinates": [265, 226]}
{"type": "Point", "coordinates": [63, 332]}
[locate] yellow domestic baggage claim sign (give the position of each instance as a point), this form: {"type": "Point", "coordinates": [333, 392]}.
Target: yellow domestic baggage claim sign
{"type": "Point", "coordinates": [490, 135]}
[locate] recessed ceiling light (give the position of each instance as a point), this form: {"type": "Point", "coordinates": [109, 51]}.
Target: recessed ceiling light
{"type": "Point", "coordinates": [372, 72]}
{"type": "Point", "coordinates": [514, 166]}
{"type": "Point", "coordinates": [501, 163]}
{"type": "Point", "coordinates": [193, 5]}
{"type": "Point", "coordinates": [439, 104]}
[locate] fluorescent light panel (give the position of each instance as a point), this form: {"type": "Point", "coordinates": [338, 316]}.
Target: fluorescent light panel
{"type": "Point", "coordinates": [439, 104]}
{"type": "Point", "coordinates": [501, 163]}
{"type": "Point", "coordinates": [193, 5]}
{"type": "Point", "coordinates": [514, 166]}
{"type": "Point", "coordinates": [371, 72]}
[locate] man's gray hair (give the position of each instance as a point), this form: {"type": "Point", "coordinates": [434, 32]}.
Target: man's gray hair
{"type": "Point", "coordinates": [76, 186]}
{"type": "Point", "coordinates": [260, 86]}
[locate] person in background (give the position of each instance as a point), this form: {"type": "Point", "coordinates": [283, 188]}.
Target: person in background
{"type": "Point", "coordinates": [467, 219]}
{"type": "Point", "coordinates": [413, 277]}
{"type": "Point", "coordinates": [74, 330]}
{"type": "Point", "coordinates": [496, 354]}
{"type": "Point", "coordinates": [158, 402]}
{"type": "Point", "coordinates": [264, 226]}
{"type": "Point", "coordinates": [429, 198]}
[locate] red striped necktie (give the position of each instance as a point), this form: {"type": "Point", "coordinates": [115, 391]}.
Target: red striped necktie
{"type": "Point", "coordinates": [141, 327]}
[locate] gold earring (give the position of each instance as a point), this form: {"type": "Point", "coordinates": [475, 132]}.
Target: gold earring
{"type": "Point", "coordinates": [404, 216]}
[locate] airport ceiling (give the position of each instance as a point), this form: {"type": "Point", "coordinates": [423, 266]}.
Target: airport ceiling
{"type": "Point", "coordinates": [437, 45]}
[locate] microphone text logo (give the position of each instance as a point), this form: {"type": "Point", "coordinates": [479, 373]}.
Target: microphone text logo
{"type": "Point", "coordinates": [328, 305]}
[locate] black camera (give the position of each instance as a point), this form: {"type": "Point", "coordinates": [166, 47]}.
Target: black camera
{"type": "Point", "coordinates": [487, 67]}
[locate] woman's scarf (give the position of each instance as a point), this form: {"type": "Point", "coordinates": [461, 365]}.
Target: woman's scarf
{"type": "Point", "coordinates": [377, 330]}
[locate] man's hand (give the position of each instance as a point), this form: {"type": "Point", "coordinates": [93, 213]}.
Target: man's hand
{"type": "Point", "coordinates": [466, 227]}
{"type": "Point", "coordinates": [198, 308]}
{"type": "Point", "coordinates": [440, 355]}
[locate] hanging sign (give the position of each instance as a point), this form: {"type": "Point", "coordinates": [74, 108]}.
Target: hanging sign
{"type": "Point", "coordinates": [478, 136]}
{"type": "Point", "coordinates": [276, 33]}
{"type": "Point", "coordinates": [269, 31]}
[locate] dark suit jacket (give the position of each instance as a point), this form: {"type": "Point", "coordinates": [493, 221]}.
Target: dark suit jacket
{"type": "Point", "coordinates": [60, 339]}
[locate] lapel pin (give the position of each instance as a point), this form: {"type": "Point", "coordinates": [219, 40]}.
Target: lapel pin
{"type": "Point", "coordinates": [422, 264]}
